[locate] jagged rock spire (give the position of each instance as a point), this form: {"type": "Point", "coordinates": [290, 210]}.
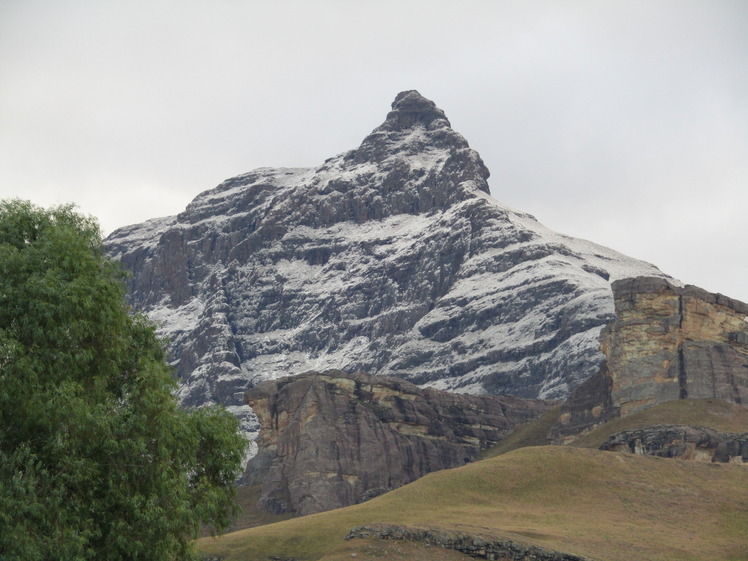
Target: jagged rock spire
{"type": "Point", "coordinates": [414, 128]}
{"type": "Point", "coordinates": [409, 109]}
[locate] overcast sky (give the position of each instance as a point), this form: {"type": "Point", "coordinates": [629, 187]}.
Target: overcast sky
{"type": "Point", "coordinates": [623, 122]}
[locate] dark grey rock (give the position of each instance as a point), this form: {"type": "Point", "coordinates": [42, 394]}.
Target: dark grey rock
{"type": "Point", "coordinates": [680, 441]}
{"type": "Point", "coordinates": [333, 439]}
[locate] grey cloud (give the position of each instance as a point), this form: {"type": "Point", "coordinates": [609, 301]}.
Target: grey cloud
{"type": "Point", "coordinates": [621, 122]}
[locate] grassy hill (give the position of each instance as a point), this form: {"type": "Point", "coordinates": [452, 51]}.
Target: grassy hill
{"type": "Point", "coordinates": [534, 433]}
{"type": "Point", "coordinates": [607, 506]}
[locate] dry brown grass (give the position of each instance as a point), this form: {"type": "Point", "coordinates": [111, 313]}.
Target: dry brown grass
{"type": "Point", "coordinates": [534, 433]}
{"type": "Point", "coordinates": [372, 549]}
{"type": "Point", "coordinates": [607, 506]}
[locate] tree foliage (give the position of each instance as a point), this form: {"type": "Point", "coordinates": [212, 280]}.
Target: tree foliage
{"type": "Point", "coordinates": [96, 459]}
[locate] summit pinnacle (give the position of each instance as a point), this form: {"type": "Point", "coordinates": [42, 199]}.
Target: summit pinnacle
{"type": "Point", "coordinates": [415, 131]}
{"type": "Point", "coordinates": [411, 109]}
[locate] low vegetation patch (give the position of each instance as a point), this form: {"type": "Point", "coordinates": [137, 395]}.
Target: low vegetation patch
{"type": "Point", "coordinates": [249, 515]}
{"type": "Point", "coordinates": [373, 549]}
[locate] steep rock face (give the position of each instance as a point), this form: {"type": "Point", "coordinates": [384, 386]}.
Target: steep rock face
{"type": "Point", "coordinates": [666, 343]}
{"type": "Point", "coordinates": [669, 343]}
{"type": "Point", "coordinates": [332, 439]}
{"type": "Point", "coordinates": [391, 259]}
{"type": "Point", "coordinates": [679, 441]}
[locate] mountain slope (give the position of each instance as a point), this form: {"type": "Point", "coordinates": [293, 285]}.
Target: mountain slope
{"type": "Point", "coordinates": [390, 259]}
{"type": "Point", "coordinates": [602, 505]}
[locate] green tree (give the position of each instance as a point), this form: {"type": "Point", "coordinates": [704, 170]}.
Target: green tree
{"type": "Point", "coordinates": [97, 461]}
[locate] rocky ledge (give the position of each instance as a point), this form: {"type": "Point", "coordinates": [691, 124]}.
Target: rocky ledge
{"type": "Point", "coordinates": [476, 546]}
{"type": "Point", "coordinates": [684, 442]}
{"type": "Point", "coordinates": [333, 439]}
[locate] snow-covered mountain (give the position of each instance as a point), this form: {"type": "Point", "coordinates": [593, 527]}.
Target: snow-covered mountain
{"type": "Point", "coordinates": [389, 259]}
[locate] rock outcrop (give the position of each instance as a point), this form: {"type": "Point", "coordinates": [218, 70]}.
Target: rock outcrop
{"type": "Point", "coordinates": [666, 343]}
{"type": "Point", "coordinates": [390, 259]}
{"type": "Point", "coordinates": [474, 545]}
{"type": "Point", "coordinates": [671, 343]}
{"type": "Point", "coordinates": [332, 439]}
{"type": "Point", "coordinates": [679, 441]}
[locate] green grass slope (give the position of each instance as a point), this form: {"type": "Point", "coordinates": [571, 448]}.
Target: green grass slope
{"type": "Point", "coordinates": [607, 506]}
{"type": "Point", "coordinates": [373, 549]}
{"type": "Point", "coordinates": [534, 433]}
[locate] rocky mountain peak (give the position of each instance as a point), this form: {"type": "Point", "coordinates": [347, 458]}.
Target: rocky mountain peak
{"type": "Point", "coordinates": [410, 109]}
{"type": "Point", "coordinates": [416, 138]}
{"type": "Point", "coordinates": [390, 259]}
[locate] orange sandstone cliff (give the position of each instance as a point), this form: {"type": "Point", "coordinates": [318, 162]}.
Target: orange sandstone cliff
{"type": "Point", "coordinates": [666, 343]}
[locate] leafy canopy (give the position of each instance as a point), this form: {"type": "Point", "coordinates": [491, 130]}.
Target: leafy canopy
{"type": "Point", "coordinates": [96, 459]}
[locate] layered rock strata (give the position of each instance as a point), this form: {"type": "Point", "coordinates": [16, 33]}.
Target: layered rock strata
{"type": "Point", "coordinates": [332, 439]}
{"type": "Point", "coordinates": [666, 343]}
{"type": "Point", "coordinates": [391, 258]}
{"type": "Point", "coordinates": [679, 441]}
{"type": "Point", "coordinates": [672, 343]}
